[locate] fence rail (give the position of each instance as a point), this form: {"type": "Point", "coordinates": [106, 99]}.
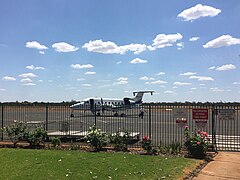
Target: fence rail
{"type": "Point", "coordinates": [163, 123]}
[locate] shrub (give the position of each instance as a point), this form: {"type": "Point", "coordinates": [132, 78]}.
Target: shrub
{"type": "Point", "coordinates": [175, 147]}
{"type": "Point", "coordinates": [56, 142]}
{"type": "Point", "coordinates": [121, 140]}
{"type": "Point", "coordinates": [16, 132]}
{"type": "Point", "coordinates": [147, 145]}
{"type": "Point", "coordinates": [96, 138]}
{"type": "Point", "coordinates": [196, 143]}
{"type": "Point", "coordinates": [36, 137]}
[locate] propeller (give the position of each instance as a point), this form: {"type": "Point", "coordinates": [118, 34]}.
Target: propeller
{"type": "Point", "coordinates": [103, 108]}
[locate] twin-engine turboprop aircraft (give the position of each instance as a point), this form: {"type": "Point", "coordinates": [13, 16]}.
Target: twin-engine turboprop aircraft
{"type": "Point", "coordinates": [98, 105]}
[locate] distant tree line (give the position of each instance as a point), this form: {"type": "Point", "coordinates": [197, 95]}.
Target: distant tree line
{"type": "Point", "coordinates": [68, 103]}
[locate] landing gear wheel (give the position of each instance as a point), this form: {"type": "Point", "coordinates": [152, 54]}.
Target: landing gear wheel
{"type": "Point", "coordinates": [98, 114]}
{"type": "Point", "coordinates": [116, 114]}
{"type": "Point", "coordinates": [72, 115]}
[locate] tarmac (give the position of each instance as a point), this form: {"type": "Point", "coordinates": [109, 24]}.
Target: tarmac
{"type": "Point", "coordinates": [226, 166]}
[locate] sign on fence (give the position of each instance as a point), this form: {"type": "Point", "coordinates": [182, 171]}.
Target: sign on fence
{"type": "Point", "coordinates": [226, 114]}
{"type": "Point", "coordinates": [200, 114]}
{"type": "Point", "coordinates": [180, 113]}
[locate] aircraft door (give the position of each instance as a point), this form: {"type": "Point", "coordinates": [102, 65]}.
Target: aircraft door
{"type": "Point", "coordinates": [91, 104]}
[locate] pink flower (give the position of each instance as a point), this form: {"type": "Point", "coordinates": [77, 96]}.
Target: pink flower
{"type": "Point", "coordinates": [198, 143]}
{"type": "Point", "coordinates": [186, 127]}
{"type": "Point", "coordinates": [204, 133]}
{"type": "Point", "coordinates": [199, 131]}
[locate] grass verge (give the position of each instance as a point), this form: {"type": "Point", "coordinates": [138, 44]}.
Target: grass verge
{"type": "Point", "coordinates": [56, 164]}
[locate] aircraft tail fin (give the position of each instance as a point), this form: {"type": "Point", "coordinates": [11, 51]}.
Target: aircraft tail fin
{"type": "Point", "coordinates": [139, 95]}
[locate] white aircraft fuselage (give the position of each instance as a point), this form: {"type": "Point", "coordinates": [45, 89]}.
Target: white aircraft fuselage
{"type": "Point", "coordinates": [109, 104]}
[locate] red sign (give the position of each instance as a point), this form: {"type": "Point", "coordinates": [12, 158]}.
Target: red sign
{"type": "Point", "coordinates": [200, 114]}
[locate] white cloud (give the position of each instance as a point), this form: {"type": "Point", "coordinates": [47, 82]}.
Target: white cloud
{"type": "Point", "coordinates": [164, 40]}
{"type": "Point", "coordinates": [90, 73]}
{"type": "Point", "coordinates": [26, 80]}
{"type": "Point", "coordinates": [41, 52]}
{"type": "Point", "coordinates": [87, 85]}
{"type": "Point", "coordinates": [81, 79]}
{"type": "Point", "coordinates": [40, 80]}
{"type": "Point", "coordinates": [169, 92]}
{"type": "Point", "coordinates": [2, 89]}
{"type": "Point", "coordinates": [35, 45]}
{"type": "Point", "coordinates": [226, 67]}
{"type": "Point", "coordinates": [32, 67]}
{"type": "Point", "coordinates": [224, 40]}
{"type": "Point", "coordinates": [145, 78]}
{"type": "Point", "coordinates": [236, 83]}
{"type": "Point", "coordinates": [198, 11]}
{"type": "Point", "coordinates": [122, 79]}
{"type": "Point", "coordinates": [151, 48]}
{"type": "Point", "coordinates": [109, 47]}
{"type": "Point", "coordinates": [160, 73]}
{"type": "Point", "coordinates": [156, 82]}
{"type": "Point", "coordinates": [79, 66]}
{"type": "Point", "coordinates": [194, 39]}
{"type": "Point", "coordinates": [136, 48]}
{"type": "Point", "coordinates": [8, 78]}
{"type": "Point", "coordinates": [99, 46]}
{"type": "Point", "coordinates": [212, 67]}
{"type": "Point", "coordinates": [64, 47]}
{"type": "Point", "coordinates": [216, 90]}
{"type": "Point", "coordinates": [29, 84]}
{"type": "Point", "coordinates": [119, 62]}
{"type": "Point", "coordinates": [138, 61]}
{"type": "Point", "coordinates": [180, 45]}
{"type": "Point", "coordinates": [188, 74]}
{"type": "Point", "coordinates": [27, 75]}
{"type": "Point", "coordinates": [202, 78]}
{"type": "Point", "coordinates": [193, 88]}
{"type": "Point", "coordinates": [122, 82]}
{"type": "Point", "coordinates": [181, 84]}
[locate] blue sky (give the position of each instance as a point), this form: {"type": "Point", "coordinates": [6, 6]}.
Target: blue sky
{"type": "Point", "coordinates": [60, 50]}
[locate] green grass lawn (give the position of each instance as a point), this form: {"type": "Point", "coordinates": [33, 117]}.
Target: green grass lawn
{"type": "Point", "coordinates": [60, 164]}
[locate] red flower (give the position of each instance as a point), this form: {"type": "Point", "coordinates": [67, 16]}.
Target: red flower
{"type": "Point", "coordinates": [198, 143]}
{"type": "Point", "coordinates": [145, 138]}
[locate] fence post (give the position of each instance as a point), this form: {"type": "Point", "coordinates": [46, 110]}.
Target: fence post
{"type": "Point", "coordinates": [213, 128]}
{"type": "Point", "coordinates": [2, 121]}
{"type": "Point", "coordinates": [95, 115]}
{"type": "Point", "coordinates": [46, 125]}
{"type": "Point", "coordinates": [150, 123]}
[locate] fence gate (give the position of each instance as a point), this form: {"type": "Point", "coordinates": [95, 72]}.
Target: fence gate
{"type": "Point", "coordinates": [226, 127]}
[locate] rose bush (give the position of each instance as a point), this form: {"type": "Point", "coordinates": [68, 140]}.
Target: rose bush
{"type": "Point", "coordinates": [96, 138]}
{"type": "Point", "coordinates": [196, 143]}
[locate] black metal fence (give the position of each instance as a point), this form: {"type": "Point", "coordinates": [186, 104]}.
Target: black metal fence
{"type": "Point", "coordinates": [163, 123]}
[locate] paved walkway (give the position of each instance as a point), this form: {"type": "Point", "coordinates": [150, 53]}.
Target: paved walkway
{"type": "Point", "coordinates": [226, 166]}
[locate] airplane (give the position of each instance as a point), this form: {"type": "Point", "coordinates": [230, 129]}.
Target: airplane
{"type": "Point", "coordinates": [96, 105]}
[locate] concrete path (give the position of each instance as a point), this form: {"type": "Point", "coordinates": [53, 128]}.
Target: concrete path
{"type": "Point", "coordinates": [226, 166]}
